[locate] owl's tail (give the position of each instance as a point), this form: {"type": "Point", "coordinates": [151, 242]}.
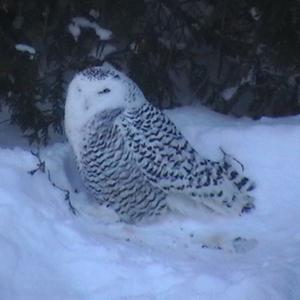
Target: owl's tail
{"type": "Point", "coordinates": [229, 193]}
{"type": "Point", "coordinates": [242, 183]}
{"type": "Point", "coordinates": [237, 188]}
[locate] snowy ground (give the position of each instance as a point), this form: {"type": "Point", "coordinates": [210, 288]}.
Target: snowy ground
{"type": "Point", "coordinates": [48, 253]}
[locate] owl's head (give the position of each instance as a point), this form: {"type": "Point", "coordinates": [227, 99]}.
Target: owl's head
{"type": "Point", "coordinates": [101, 88]}
{"type": "Point", "coordinates": [97, 89]}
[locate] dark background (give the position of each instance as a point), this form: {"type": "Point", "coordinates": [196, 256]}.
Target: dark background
{"type": "Point", "coordinates": [239, 57]}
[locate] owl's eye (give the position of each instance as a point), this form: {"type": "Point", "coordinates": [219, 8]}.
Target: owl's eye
{"type": "Point", "coordinates": [105, 91]}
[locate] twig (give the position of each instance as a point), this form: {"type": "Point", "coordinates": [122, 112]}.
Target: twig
{"type": "Point", "coordinates": [67, 194]}
{"type": "Point", "coordinates": [4, 121]}
{"type": "Point", "coordinates": [41, 166]}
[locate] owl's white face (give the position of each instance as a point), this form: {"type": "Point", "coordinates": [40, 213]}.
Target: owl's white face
{"type": "Point", "coordinates": [94, 90]}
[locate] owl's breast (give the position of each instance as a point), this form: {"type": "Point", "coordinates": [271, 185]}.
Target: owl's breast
{"type": "Point", "coordinates": [104, 159]}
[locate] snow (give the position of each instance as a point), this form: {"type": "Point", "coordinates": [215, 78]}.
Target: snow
{"type": "Point", "coordinates": [228, 93]}
{"type": "Point", "coordinates": [80, 22]}
{"type": "Point", "coordinates": [254, 13]}
{"type": "Point", "coordinates": [94, 13]}
{"type": "Point", "coordinates": [26, 48]}
{"type": "Point", "coordinates": [49, 253]}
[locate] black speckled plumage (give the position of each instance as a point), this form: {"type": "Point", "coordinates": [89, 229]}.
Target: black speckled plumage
{"type": "Point", "coordinates": [111, 174]}
{"type": "Point", "coordinates": [133, 158]}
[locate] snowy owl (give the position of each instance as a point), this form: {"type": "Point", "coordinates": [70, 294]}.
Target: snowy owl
{"type": "Point", "coordinates": [133, 159]}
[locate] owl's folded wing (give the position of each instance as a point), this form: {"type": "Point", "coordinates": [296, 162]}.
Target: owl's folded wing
{"type": "Point", "coordinates": [162, 153]}
{"type": "Point", "coordinates": [170, 163]}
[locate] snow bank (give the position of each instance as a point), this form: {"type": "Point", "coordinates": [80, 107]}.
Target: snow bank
{"type": "Point", "coordinates": [26, 48]}
{"type": "Point", "coordinates": [47, 252]}
{"type": "Point", "coordinates": [228, 93]}
{"type": "Point", "coordinates": [80, 22]}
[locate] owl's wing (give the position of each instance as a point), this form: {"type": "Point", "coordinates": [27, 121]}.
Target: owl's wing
{"type": "Point", "coordinates": [170, 163]}
{"type": "Point", "coordinates": [162, 153]}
